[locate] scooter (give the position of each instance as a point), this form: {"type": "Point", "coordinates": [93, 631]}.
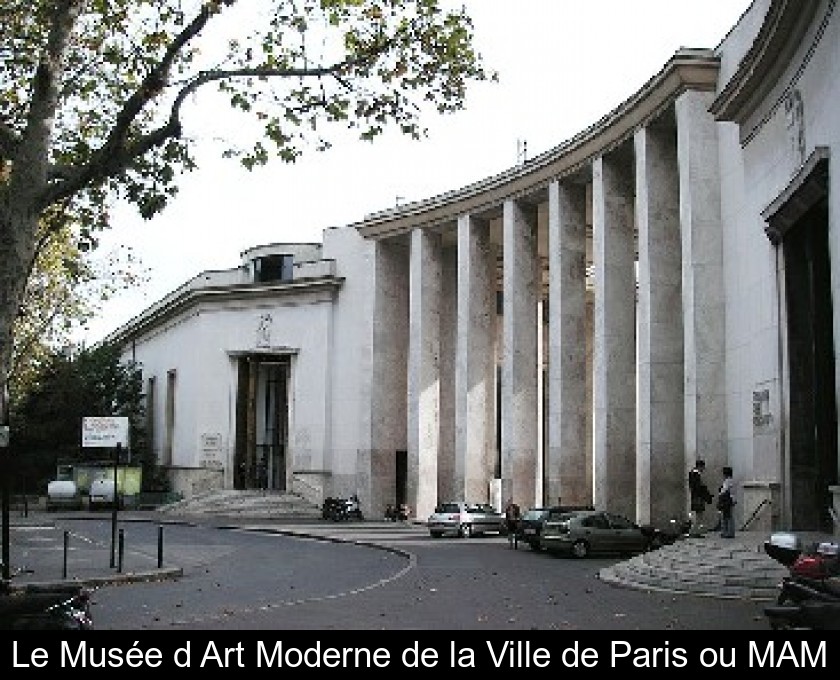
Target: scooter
{"type": "Point", "coordinates": [809, 597]}
{"type": "Point", "coordinates": [45, 608]}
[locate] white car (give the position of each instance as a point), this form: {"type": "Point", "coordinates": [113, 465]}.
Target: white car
{"type": "Point", "coordinates": [458, 518]}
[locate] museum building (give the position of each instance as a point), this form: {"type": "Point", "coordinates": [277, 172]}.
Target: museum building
{"type": "Point", "coordinates": [582, 326]}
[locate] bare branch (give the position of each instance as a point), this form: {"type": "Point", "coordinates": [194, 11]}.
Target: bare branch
{"type": "Point", "coordinates": [114, 155]}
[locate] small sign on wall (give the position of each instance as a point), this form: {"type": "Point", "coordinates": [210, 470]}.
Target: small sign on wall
{"type": "Point", "coordinates": [761, 408]}
{"type": "Point", "coordinates": [210, 453]}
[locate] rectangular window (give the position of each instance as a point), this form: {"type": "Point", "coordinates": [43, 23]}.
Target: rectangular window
{"type": "Point", "coordinates": [273, 268]}
{"type": "Point", "coordinates": [151, 385]}
{"type": "Point", "coordinates": [169, 433]}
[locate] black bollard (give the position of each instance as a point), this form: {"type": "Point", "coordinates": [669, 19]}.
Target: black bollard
{"type": "Point", "coordinates": [121, 551]}
{"type": "Point", "coordinates": [160, 547]}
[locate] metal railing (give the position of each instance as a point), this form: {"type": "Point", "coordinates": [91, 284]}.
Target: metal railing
{"type": "Point", "coordinates": [755, 513]}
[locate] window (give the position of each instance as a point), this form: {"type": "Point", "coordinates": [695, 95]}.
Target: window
{"type": "Point", "coordinates": [595, 522]}
{"type": "Point", "coordinates": [150, 412]}
{"type": "Point", "coordinates": [618, 522]}
{"type": "Point", "coordinates": [273, 268]}
{"type": "Point", "coordinates": [169, 422]}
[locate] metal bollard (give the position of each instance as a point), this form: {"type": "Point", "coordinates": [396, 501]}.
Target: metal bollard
{"type": "Point", "coordinates": [121, 551]}
{"type": "Point", "coordinates": [160, 547]}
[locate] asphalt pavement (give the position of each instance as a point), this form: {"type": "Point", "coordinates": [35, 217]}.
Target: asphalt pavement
{"type": "Point", "coordinates": [710, 566]}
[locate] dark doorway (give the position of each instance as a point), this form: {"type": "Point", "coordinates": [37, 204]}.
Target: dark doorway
{"type": "Point", "coordinates": [262, 422]}
{"type": "Point", "coordinates": [812, 427]}
{"type": "Point", "coordinates": [402, 478]}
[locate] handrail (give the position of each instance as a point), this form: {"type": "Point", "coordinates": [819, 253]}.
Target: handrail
{"type": "Point", "coordinates": [755, 512]}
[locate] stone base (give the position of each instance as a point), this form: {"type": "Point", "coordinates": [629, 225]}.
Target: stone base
{"type": "Point", "coordinates": [761, 507]}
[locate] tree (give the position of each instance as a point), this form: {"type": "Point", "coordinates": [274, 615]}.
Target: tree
{"type": "Point", "coordinates": [95, 91]}
{"type": "Point", "coordinates": [47, 421]}
{"type": "Point", "coordinates": [65, 289]}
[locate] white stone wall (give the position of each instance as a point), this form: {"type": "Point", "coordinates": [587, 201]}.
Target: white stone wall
{"type": "Point", "coordinates": [756, 166]}
{"type": "Point", "coordinates": [198, 344]}
{"type": "Point", "coordinates": [350, 360]}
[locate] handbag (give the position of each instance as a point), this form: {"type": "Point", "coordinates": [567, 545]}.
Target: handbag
{"type": "Point", "coordinates": [724, 501]}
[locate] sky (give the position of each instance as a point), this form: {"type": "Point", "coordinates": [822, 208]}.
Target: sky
{"type": "Point", "coordinates": [562, 65]}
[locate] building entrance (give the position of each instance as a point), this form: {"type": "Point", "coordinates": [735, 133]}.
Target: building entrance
{"type": "Point", "coordinates": [812, 425]}
{"type": "Point", "coordinates": [262, 422]}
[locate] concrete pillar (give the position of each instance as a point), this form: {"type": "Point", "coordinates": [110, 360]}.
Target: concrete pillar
{"type": "Point", "coordinates": [424, 370]}
{"type": "Point", "coordinates": [387, 352]}
{"type": "Point", "coordinates": [702, 282]}
{"type": "Point", "coordinates": [475, 365]}
{"type": "Point", "coordinates": [447, 464]}
{"type": "Point", "coordinates": [614, 382]}
{"type": "Point", "coordinates": [566, 462]}
{"type": "Point", "coordinates": [519, 364]}
{"type": "Point", "coordinates": [660, 478]}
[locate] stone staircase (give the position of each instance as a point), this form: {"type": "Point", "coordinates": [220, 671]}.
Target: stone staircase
{"type": "Point", "coordinates": [734, 568]}
{"type": "Point", "coordinates": [255, 504]}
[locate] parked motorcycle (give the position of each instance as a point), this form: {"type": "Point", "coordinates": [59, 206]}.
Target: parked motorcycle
{"type": "Point", "coordinates": [340, 509]}
{"type": "Point", "coordinates": [809, 596]}
{"type": "Point", "coordinates": [45, 608]}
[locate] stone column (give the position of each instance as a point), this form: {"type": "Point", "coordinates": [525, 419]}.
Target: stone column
{"type": "Point", "coordinates": [702, 282]}
{"type": "Point", "coordinates": [386, 350]}
{"type": "Point", "coordinates": [661, 476]}
{"type": "Point", "coordinates": [614, 382]}
{"type": "Point", "coordinates": [519, 363]}
{"type": "Point", "coordinates": [567, 404]}
{"type": "Point", "coordinates": [447, 464]}
{"type": "Point", "coordinates": [424, 370]}
{"type": "Point", "coordinates": [475, 364]}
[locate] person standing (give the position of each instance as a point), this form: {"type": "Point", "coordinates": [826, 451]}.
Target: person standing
{"type": "Point", "coordinates": [512, 523]}
{"type": "Point", "coordinates": [700, 498]}
{"type": "Point", "coordinates": [726, 500]}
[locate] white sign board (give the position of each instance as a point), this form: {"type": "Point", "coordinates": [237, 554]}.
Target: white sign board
{"type": "Point", "coordinates": [4, 436]}
{"type": "Point", "coordinates": [104, 431]}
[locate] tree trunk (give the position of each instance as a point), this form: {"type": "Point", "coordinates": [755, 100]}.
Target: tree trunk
{"type": "Point", "coordinates": [17, 243]}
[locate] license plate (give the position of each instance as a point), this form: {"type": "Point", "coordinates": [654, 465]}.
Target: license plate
{"type": "Point", "coordinates": [530, 531]}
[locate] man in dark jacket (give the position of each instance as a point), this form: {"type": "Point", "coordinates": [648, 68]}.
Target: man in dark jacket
{"type": "Point", "coordinates": [700, 498]}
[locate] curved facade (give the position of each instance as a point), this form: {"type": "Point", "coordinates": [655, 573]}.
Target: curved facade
{"type": "Point", "coordinates": [583, 326]}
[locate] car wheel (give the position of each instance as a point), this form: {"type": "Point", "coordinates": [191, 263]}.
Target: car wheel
{"type": "Point", "coordinates": [436, 534]}
{"type": "Point", "coordinates": [580, 549]}
{"type": "Point", "coordinates": [466, 530]}
{"type": "Point", "coordinates": [655, 543]}
{"type": "Point", "coordinates": [535, 545]}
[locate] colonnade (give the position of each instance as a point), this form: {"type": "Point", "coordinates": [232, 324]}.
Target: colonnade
{"type": "Point", "coordinates": [563, 341]}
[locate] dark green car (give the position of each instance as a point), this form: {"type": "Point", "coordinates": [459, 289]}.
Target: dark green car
{"type": "Point", "coordinates": [591, 531]}
{"type": "Point", "coordinates": [531, 524]}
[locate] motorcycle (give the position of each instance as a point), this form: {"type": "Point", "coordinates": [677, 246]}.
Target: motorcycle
{"type": "Point", "coordinates": [809, 596]}
{"type": "Point", "coordinates": [45, 608]}
{"type": "Point", "coordinates": [340, 509]}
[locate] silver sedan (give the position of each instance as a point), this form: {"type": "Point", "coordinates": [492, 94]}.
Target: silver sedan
{"type": "Point", "coordinates": [459, 518]}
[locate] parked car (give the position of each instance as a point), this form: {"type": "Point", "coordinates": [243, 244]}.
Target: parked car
{"type": "Point", "coordinates": [583, 532]}
{"type": "Point", "coordinates": [458, 518]}
{"type": "Point", "coordinates": [531, 524]}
